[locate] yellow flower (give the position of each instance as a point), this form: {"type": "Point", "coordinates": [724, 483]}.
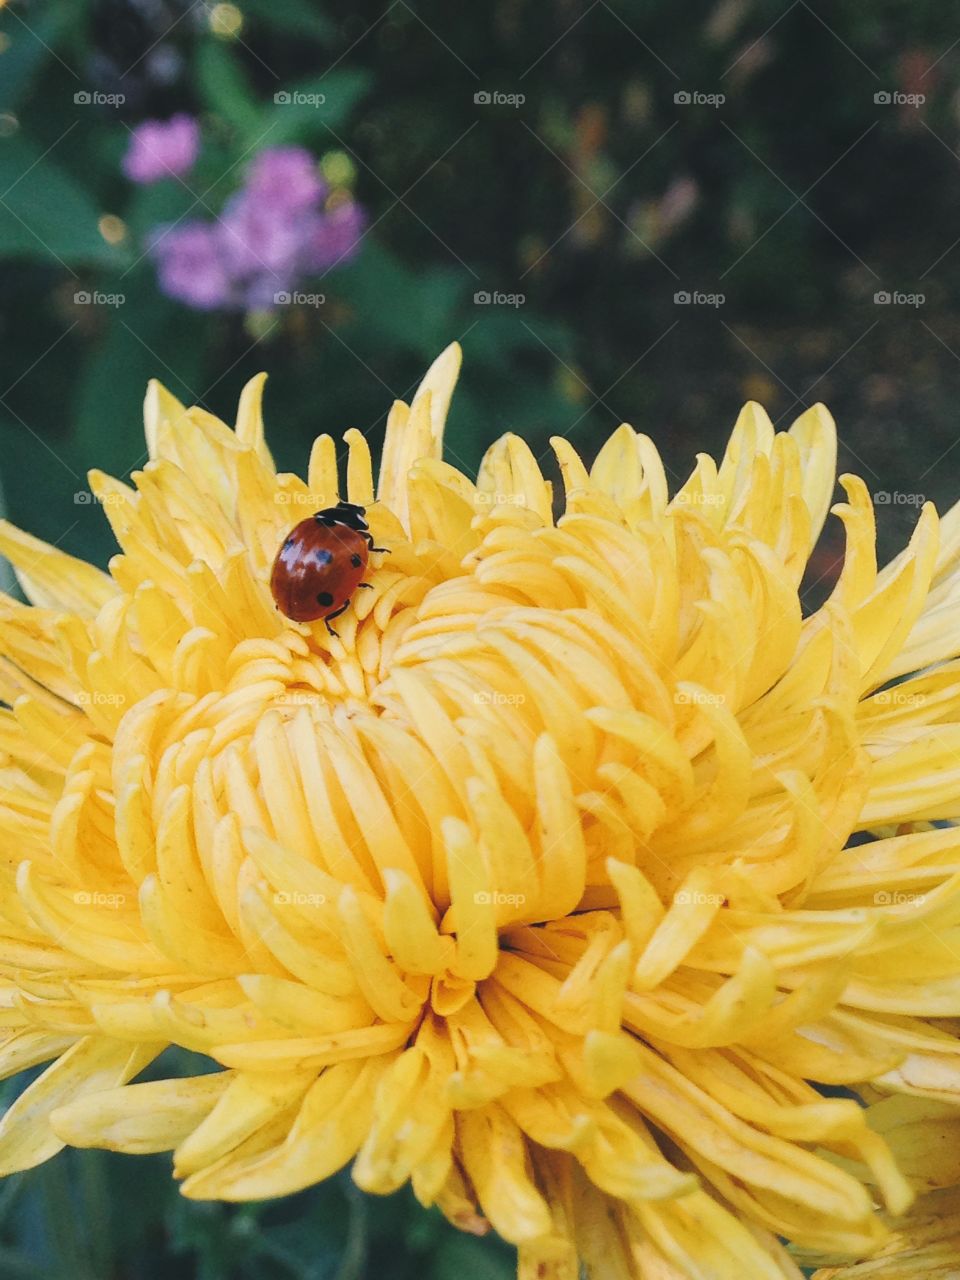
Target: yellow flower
{"type": "Point", "coordinates": [533, 886]}
{"type": "Point", "coordinates": [924, 1246]}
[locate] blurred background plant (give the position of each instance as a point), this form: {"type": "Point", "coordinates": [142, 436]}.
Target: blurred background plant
{"type": "Point", "coordinates": [624, 209]}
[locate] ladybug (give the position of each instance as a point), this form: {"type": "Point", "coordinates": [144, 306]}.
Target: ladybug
{"type": "Point", "coordinates": [321, 562]}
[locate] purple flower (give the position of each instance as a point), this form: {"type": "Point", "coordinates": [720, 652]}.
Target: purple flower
{"type": "Point", "coordinates": [272, 234]}
{"type": "Point", "coordinates": [287, 178]}
{"type": "Point", "coordinates": [336, 236]}
{"type": "Point", "coordinates": [162, 149]}
{"type": "Point", "coordinates": [191, 266]}
{"type": "Point", "coordinates": [258, 236]}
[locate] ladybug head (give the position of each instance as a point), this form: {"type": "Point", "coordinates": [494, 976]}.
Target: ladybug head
{"type": "Point", "coordinates": [348, 513]}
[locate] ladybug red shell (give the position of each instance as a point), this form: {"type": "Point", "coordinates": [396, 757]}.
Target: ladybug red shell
{"type": "Point", "coordinates": [321, 564]}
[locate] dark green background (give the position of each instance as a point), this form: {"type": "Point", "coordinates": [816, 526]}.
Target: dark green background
{"type": "Point", "coordinates": [810, 198]}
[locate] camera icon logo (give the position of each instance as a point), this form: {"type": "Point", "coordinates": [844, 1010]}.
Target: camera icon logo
{"type": "Point", "coordinates": [882, 98]}
{"type": "Point", "coordinates": [482, 98]}
{"type": "Point", "coordinates": [282, 98]}
{"type": "Point", "coordinates": [481, 299]}
{"type": "Point", "coordinates": [682, 98]}
{"type": "Point", "coordinates": [682, 298]}
{"type": "Point", "coordinates": [82, 98]}
{"type": "Point", "coordinates": [82, 298]}
{"type": "Point", "coordinates": [281, 299]}
{"type": "Point", "coordinates": [882, 299]}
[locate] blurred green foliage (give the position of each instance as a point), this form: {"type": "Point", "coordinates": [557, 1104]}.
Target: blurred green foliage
{"type": "Point", "coordinates": [94, 1215]}
{"type": "Point", "coordinates": [597, 198]}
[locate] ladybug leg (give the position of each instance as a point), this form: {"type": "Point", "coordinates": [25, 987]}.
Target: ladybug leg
{"type": "Point", "coordinates": [371, 547]}
{"type": "Point", "coordinates": [336, 614]}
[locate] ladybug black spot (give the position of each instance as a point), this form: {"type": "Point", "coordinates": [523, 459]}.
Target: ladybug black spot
{"type": "Point", "coordinates": [356, 561]}
{"type": "Point", "coordinates": [325, 598]}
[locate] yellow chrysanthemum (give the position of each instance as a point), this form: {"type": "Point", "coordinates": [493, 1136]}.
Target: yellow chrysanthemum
{"type": "Point", "coordinates": [924, 1246]}
{"type": "Point", "coordinates": [533, 886]}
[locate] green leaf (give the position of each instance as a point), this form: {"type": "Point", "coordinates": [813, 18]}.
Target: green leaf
{"type": "Point", "coordinates": [25, 54]}
{"type": "Point", "coordinates": [224, 88]}
{"type": "Point", "coordinates": [296, 16]}
{"type": "Point", "coordinates": [44, 214]}
{"type": "Point", "coordinates": [15, 1265]}
{"type": "Point", "coordinates": [384, 293]}
{"type": "Point", "coordinates": [484, 1259]}
{"type": "Point", "coordinates": [500, 330]}
{"type": "Point", "coordinates": [162, 204]}
{"type": "Point", "coordinates": [309, 109]}
{"type": "Point", "coordinates": [96, 1205]}
{"type": "Point", "coordinates": [148, 336]}
{"type": "Point", "coordinates": [69, 1242]}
